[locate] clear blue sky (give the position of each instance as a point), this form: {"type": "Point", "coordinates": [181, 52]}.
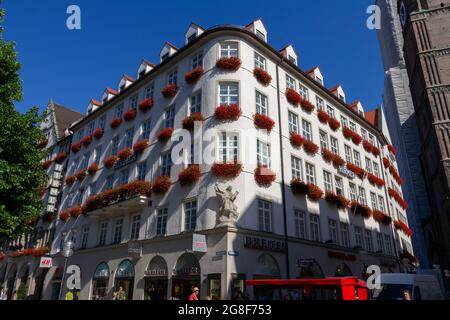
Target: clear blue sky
{"type": "Point", "coordinates": [72, 67]}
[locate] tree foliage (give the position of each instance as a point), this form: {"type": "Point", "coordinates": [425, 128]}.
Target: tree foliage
{"type": "Point", "coordinates": [20, 171]}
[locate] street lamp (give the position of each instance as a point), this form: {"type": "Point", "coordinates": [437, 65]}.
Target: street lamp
{"type": "Point", "coordinates": [67, 252]}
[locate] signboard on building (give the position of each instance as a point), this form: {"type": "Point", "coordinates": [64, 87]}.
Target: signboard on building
{"type": "Point", "coordinates": [341, 256]}
{"type": "Point", "coordinates": [134, 250]}
{"type": "Point", "coordinates": [264, 244]}
{"type": "Point", "coordinates": [345, 172]}
{"type": "Point", "coordinates": [124, 163]}
{"type": "Point", "coordinates": [199, 243]}
{"type": "Point", "coordinates": [46, 262]}
{"type": "Point", "coordinates": [58, 167]}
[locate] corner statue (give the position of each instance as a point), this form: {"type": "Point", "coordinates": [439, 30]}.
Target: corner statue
{"type": "Point", "coordinates": [228, 213]}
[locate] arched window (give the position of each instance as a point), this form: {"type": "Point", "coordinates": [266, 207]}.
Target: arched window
{"type": "Point", "coordinates": [102, 271]}
{"type": "Point", "coordinates": [125, 270]}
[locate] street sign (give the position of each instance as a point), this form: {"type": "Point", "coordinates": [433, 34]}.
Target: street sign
{"type": "Point", "coordinates": [134, 249]}
{"type": "Point", "coordinates": [233, 253]}
{"type": "Point", "coordinates": [46, 262]}
{"type": "Point", "coordinates": [221, 253]}
{"type": "Point", "coordinates": [199, 243]}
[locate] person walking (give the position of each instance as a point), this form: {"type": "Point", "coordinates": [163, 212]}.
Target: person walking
{"type": "Point", "coordinates": [194, 294]}
{"type": "Point", "coordinates": [3, 295]}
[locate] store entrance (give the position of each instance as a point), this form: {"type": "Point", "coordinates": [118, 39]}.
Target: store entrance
{"type": "Point", "coordinates": [186, 276]}
{"type": "Point", "coordinates": [156, 288]}
{"type": "Point", "coordinates": [182, 286]}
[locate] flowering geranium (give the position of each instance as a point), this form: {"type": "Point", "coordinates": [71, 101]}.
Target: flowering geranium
{"type": "Point", "coordinates": [338, 161]}
{"type": "Point", "coordinates": [362, 209]}
{"type": "Point", "coordinates": [46, 164]}
{"type": "Point", "coordinates": [402, 226]}
{"type": "Point", "coordinates": [115, 123]}
{"type": "Point", "coordinates": [262, 76]}
{"type": "Point", "coordinates": [323, 116]}
{"type": "Point", "coordinates": [81, 174]}
{"type": "Point", "coordinates": [310, 147]}
{"type": "Point", "coordinates": [189, 175]}
{"type": "Point", "coordinates": [169, 91]}
{"type": "Point", "coordinates": [76, 147]}
{"type": "Point", "coordinates": [392, 149]}
{"type": "Point", "coordinates": [162, 184]}
{"type": "Point", "coordinates": [381, 217]}
{"type": "Point", "coordinates": [110, 161]}
{"type": "Point", "coordinates": [86, 141]}
{"type": "Point", "coordinates": [193, 75]}
{"type": "Point", "coordinates": [397, 197]}
{"type": "Point", "coordinates": [334, 123]}
{"type": "Point", "coordinates": [307, 105]}
{"type": "Point", "coordinates": [129, 115]}
{"type": "Point", "coordinates": [406, 255]}
{"type": "Point", "coordinates": [299, 187]}
{"type": "Point", "coordinates": [42, 144]}
{"type": "Point", "coordinates": [296, 140]}
{"type": "Point", "coordinates": [230, 112]}
{"type": "Point", "coordinates": [60, 157]}
{"type": "Point", "coordinates": [347, 132]}
{"type": "Point", "coordinates": [229, 63]}
{"type": "Point", "coordinates": [189, 122]}
{"type": "Point", "coordinates": [264, 176]}
{"type": "Point", "coordinates": [92, 169]}
{"type": "Point", "coordinates": [141, 145]}
{"type": "Point", "coordinates": [264, 122]}
{"type": "Point", "coordinates": [293, 97]}
{"type": "Point", "coordinates": [373, 179]}
{"type": "Point", "coordinates": [125, 153]}
{"type": "Point", "coordinates": [98, 133]}
{"type": "Point", "coordinates": [328, 155]}
{"type": "Point", "coordinates": [356, 138]}
{"type": "Point", "coordinates": [226, 170]}
{"type": "Point", "coordinates": [337, 200]}
{"type": "Point", "coordinates": [356, 170]}
{"type": "Point", "coordinates": [314, 192]}
{"type": "Point", "coordinates": [146, 104]}
{"type": "Point", "coordinates": [164, 135]}
{"type": "Point", "coordinates": [386, 162]}
{"type": "Point", "coordinates": [70, 180]}
{"type": "Point", "coordinates": [64, 215]}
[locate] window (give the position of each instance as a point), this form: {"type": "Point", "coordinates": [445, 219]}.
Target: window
{"type": "Point", "coordinates": [134, 102]}
{"type": "Point", "coordinates": [169, 117]}
{"type": "Point", "coordinates": [353, 195]}
{"type": "Point", "coordinates": [161, 222]}
{"type": "Point", "coordinates": [358, 237]}
{"type": "Point", "coordinates": [327, 181]}
{"type": "Point", "coordinates": [149, 91]}
{"type": "Point", "coordinates": [141, 171]}
{"type": "Point", "coordinates": [229, 49]}
{"type": "Point", "coordinates": [387, 244]}
{"type": "Point", "coordinates": [118, 225]}
{"type": "Point", "coordinates": [85, 162]}
{"type": "Point", "coordinates": [334, 145]}
{"type": "Point", "coordinates": [166, 164]}
{"type": "Point", "coordinates": [80, 134]}
{"type": "Point", "coordinates": [333, 231]}
{"type": "Point", "coordinates": [228, 147]}
{"type": "Point", "coordinates": [320, 104]}
{"type": "Point", "coordinates": [197, 60]}
{"type": "Point", "coordinates": [362, 196]}
{"type": "Point", "coordinates": [373, 199]}
{"type": "Point", "coordinates": [381, 204]}
{"type": "Point", "coordinates": [371, 139]}
{"type": "Point", "coordinates": [368, 165]}
{"type": "Point", "coordinates": [330, 111]}
{"type": "Point", "coordinates": [97, 154]}
{"type": "Point", "coordinates": [323, 139]}
{"type": "Point", "coordinates": [339, 186]}
{"type": "Point", "coordinates": [190, 215]}
{"type": "Point", "coordinates": [103, 233]}
{"type": "Point", "coordinates": [263, 154]}
{"type": "Point", "coordinates": [368, 240]}
{"type": "Point", "coordinates": [380, 242]}
{"type": "Point", "coordinates": [261, 103]}
{"type": "Point", "coordinates": [290, 82]}
{"type": "Point", "coordinates": [109, 184]}
{"type": "Point", "coordinates": [357, 158]}
{"type": "Point", "coordinates": [345, 235]}
{"type": "Point", "coordinates": [135, 227]}
{"type": "Point", "coordinates": [124, 175]}
{"type": "Point", "coordinates": [193, 155]}
{"type": "Point", "coordinates": [264, 216]}
{"type": "Point", "coordinates": [314, 222]}
{"type": "Point", "coordinates": [114, 145]}
{"type": "Point", "coordinates": [293, 122]}
{"type": "Point", "coordinates": [165, 56]}
{"type": "Point", "coordinates": [191, 37]}
{"type": "Point", "coordinates": [84, 237]}
{"type": "Point", "coordinates": [348, 154]}
{"type": "Point", "coordinates": [300, 224]}
{"type": "Point", "coordinates": [261, 35]}
{"type": "Point", "coordinates": [195, 103]}
{"type": "Point", "coordinates": [260, 61]}
{"type": "Point", "coordinates": [344, 121]}
{"type": "Point", "coordinates": [119, 111]}
{"type": "Point", "coordinates": [92, 189]}
{"type": "Point", "coordinates": [129, 134]}
{"type": "Point", "coordinates": [102, 122]}
{"type": "Point", "coordinates": [353, 126]}
{"type": "Point", "coordinates": [228, 93]}
{"type": "Point", "coordinates": [364, 134]}
{"type": "Point", "coordinates": [304, 92]}
{"type": "Point", "coordinates": [172, 77]}
{"type": "Point", "coordinates": [296, 164]}
{"type": "Point", "coordinates": [310, 173]}
{"type": "Point", "coordinates": [306, 130]}
{"type": "Point", "coordinates": [146, 129]}
{"type": "Point", "coordinates": [319, 80]}
{"type": "Point", "coordinates": [376, 169]}
{"type": "Point", "coordinates": [91, 128]}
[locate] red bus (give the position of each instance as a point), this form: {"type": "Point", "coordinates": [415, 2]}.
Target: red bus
{"type": "Point", "coordinates": [346, 288]}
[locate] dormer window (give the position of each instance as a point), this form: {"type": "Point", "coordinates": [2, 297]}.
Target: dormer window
{"type": "Point", "coordinates": [165, 56]}
{"type": "Point", "coordinates": [261, 35]}
{"type": "Point", "coordinates": [122, 87]}
{"type": "Point", "coordinates": [319, 80]}
{"type": "Point", "coordinates": [192, 33]}
{"type": "Point", "coordinates": [342, 97]}
{"type": "Point", "coordinates": [292, 59]}
{"type": "Point", "coordinates": [191, 37]}
{"type": "Point", "coordinates": [142, 73]}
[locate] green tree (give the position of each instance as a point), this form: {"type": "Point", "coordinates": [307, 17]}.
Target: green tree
{"type": "Point", "coordinates": [20, 171]}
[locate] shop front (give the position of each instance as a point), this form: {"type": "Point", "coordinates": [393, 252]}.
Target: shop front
{"type": "Point", "coordinates": [22, 290]}
{"type": "Point", "coordinates": [124, 282]}
{"type": "Point", "coordinates": [10, 283]}
{"type": "Point", "coordinates": [156, 279]}
{"type": "Point", "coordinates": [39, 279]}
{"type": "Point", "coordinates": [266, 268]}
{"type": "Point", "coordinates": [343, 270]}
{"type": "Point", "coordinates": [100, 282]}
{"type": "Point", "coordinates": [56, 283]}
{"type": "Point", "coordinates": [186, 276]}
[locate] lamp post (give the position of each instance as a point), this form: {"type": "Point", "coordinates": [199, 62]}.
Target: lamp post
{"type": "Point", "coordinates": [67, 252]}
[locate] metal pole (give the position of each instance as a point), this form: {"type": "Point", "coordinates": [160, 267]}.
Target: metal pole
{"type": "Point", "coordinates": [62, 280]}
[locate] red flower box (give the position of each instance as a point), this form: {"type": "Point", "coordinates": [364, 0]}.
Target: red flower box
{"type": "Point", "coordinates": [86, 141]}
{"type": "Point", "coordinates": [356, 170]}
{"type": "Point", "coordinates": [129, 115]}
{"type": "Point", "coordinates": [226, 170]}
{"type": "Point", "coordinates": [141, 145]}
{"type": "Point", "coordinates": [146, 104]}
{"type": "Point", "coordinates": [169, 91]}
{"type": "Point", "coordinates": [70, 180]}
{"type": "Point", "coordinates": [42, 144]}
{"type": "Point", "coordinates": [402, 226]}
{"type": "Point", "coordinates": [263, 122]}
{"type": "Point", "coordinates": [262, 76]}
{"type": "Point", "coordinates": [356, 138]}
{"type": "Point", "coordinates": [406, 255]}
{"type": "Point", "coordinates": [81, 174]}
{"type": "Point", "coordinates": [76, 147]}
{"type": "Point", "coordinates": [192, 76]}
{"type": "Point", "coordinates": [314, 193]}
{"type": "Point", "coordinates": [376, 151]}
{"type": "Point", "coordinates": [367, 146]}
{"type": "Point", "coordinates": [373, 179]}
{"type": "Point", "coordinates": [264, 176]}
{"type": "Point", "coordinates": [229, 63]}
{"type": "Point", "coordinates": [296, 140]}
{"type": "Point", "coordinates": [60, 157]}
{"type": "Point", "coordinates": [307, 106]}
{"type": "Point", "coordinates": [359, 208]}
{"type": "Point", "coordinates": [328, 155]}
{"type": "Point", "coordinates": [125, 153]}
{"type": "Point", "coordinates": [338, 161]}
{"type": "Point", "coordinates": [110, 161]}
{"type": "Point", "coordinates": [382, 217]}
{"type": "Point", "coordinates": [115, 123]}
{"type": "Point", "coordinates": [397, 197]}
{"type": "Point", "coordinates": [189, 175]}
{"type": "Point", "coordinates": [347, 132]}
{"type": "Point", "coordinates": [293, 97]}
{"type": "Point", "coordinates": [188, 122]}
{"type": "Point", "coordinates": [334, 123]}
{"type": "Point", "coordinates": [299, 187]}
{"type": "Point", "coordinates": [337, 200]}
{"type": "Point", "coordinates": [74, 212]}
{"type": "Point", "coordinates": [310, 147]}
{"type": "Point", "coordinates": [98, 133]}
{"type": "Point", "coordinates": [46, 164]}
{"type": "Point", "coordinates": [392, 149]}
{"type": "Point", "coordinates": [386, 162]}
{"type": "Point", "coordinates": [39, 252]}
{"type": "Point", "coordinates": [64, 215]}
{"type": "Point", "coordinates": [323, 116]}
{"type": "Point", "coordinates": [92, 169]}
{"type": "Point", "coordinates": [162, 184]}
{"type": "Point", "coordinates": [230, 112]}
{"type": "Point", "coordinates": [164, 135]}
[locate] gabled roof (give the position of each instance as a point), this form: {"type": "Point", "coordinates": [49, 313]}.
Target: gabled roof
{"type": "Point", "coordinates": [372, 117]}
{"type": "Point", "coordinates": [125, 76]}
{"type": "Point", "coordinates": [144, 61]}
{"type": "Point", "coordinates": [64, 117]}
{"type": "Point", "coordinates": [335, 88]}
{"type": "Point", "coordinates": [312, 70]}
{"type": "Point", "coordinates": [259, 19]}
{"type": "Point", "coordinates": [193, 24]}
{"type": "Point", "coordinates": [95, 102]}
{"type": "Point", "coordinates": [170, 45]}
{"type": "Point", "coordinates": [285, 47]}
{"type": "Point", "coordinates": [111, 91]}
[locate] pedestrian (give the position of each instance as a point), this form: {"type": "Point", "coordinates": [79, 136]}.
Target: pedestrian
{"type": "Point", "coordinates": [120, 295]}
{"type": "Point", "coordinates": [3, 295]}
{"type": "Point", "coordinates": [238, 295]}
{"type": "Point", "coordinates": [194, 294]}
{"type": "Point", "coordinates": [406, 295]}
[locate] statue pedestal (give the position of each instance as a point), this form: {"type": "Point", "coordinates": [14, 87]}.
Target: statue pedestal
{"type": "Point", "coordinates": [227, 223]}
